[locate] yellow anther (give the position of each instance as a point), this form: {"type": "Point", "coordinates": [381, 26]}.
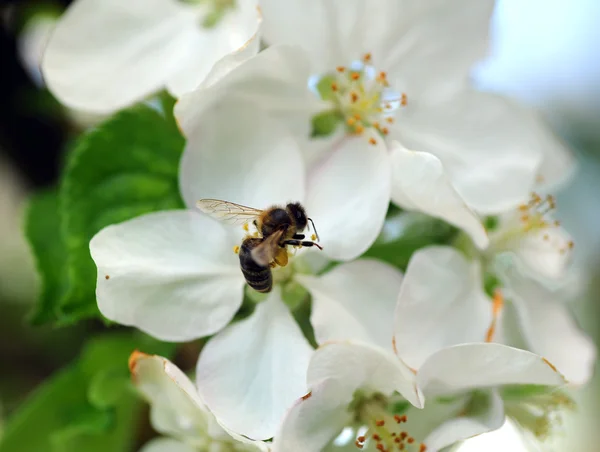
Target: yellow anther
{"type": "Point", "coordinates": [404, 100]}
{"type": "Point", "coordinates": [353, 97]}
{"type": "Point", "coordinates": [385, 131]}
{"type": "Point", "coordinates": [355, 76]}
{"type": "Point", "coordinates": [245, 227]}
{"type": "Point", "coordinates": [313, 237]}
{"type": "Point", "coordinates": [358, 129]}
{"type": "Point", "coordinates": [367, 57]}
{"type": "Point", "coordinates": [373, 141]}
{"type": "Point", "coordinates": [334, 86]}
{"type": "Point", "coordinates": [351, 121]}
{"type": "Point", "coordinates": [390, 120]}
{"type": "Point", "coordinates": [236, 249]}
{"type": "Point", "coordinates": [340, 69]}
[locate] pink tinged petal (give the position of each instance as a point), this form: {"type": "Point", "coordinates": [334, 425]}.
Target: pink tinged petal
{"type": "Point", "coordinates": [420, 182]}
{"type": "Point", "coordinates": [275, 82]}
{"type": "Point", "coordinates": [167, 445]}
{"type": "Point", "coordinates": [490, 418]}
{"type": "Point", "coordinates": [171, 274]}
{"type": "Point", "coordinates": [237, 155]}
{"type": "Point", "coordinates": [354, 301]}
{"type": "Point", "coordinates": [176, 407]}
{"type": "Point", "coordinates": [490, 146]}
{"type": "Point", "coordinates": [441, 303]}
{"type": "Point", "coordinates": [441, 42]}
{"type": "Point", "coordinates": [550, 328]}
{"type": "Point", "coordinates": [252, 372]}
{"type": "Point", "coordinates": [469, 366]}
{"type": "Point", "coordinates": [348, 196]}
{"type": "Point", "coordinates": [104, 55]}
{"type": "Point", "coordinates": [358, 365]}
{"type": "Point", "coordinates": [233, 38]}
{"type": "Point", "coordinates": [315, 419]}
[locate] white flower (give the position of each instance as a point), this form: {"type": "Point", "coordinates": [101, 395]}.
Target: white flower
{"type": "Point", "coordinates": [178, 412]}
{"type": "Point", "coordinates": [107, 54]}
{"type": "Point", "coordinates": [174, 274]}
{"type": "Point", "coordinates": [436, 349]}
{"type": "Point", "coordinates": [546, 324]}
{"type": "Point", "coordinates": [395, 70]}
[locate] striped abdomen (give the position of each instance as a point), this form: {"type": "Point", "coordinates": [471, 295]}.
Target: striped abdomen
{"type": "Point", "coordinates": [258, 277]}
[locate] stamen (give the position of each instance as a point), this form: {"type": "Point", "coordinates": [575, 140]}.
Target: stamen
{"type": "Point", "coordinates": [367, 58]}
{"type": "Point", "coordinates": [404, 100]}
{"type": "Point", "coordinates": [245, 227]}
{"type": "Point", "coordinates": [340, 69]}
{"type": "Point", "coordinates": [497, 305]}
{"type": "Point", "coordinates": [236, 249]}
{"type": "Point", "coordinates": [372, 141]}
{"type": "Point", "coordinates": [383, 429]}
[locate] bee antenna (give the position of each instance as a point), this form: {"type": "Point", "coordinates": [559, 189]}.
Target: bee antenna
{"type": "Point", "coordinates": [314, 229]}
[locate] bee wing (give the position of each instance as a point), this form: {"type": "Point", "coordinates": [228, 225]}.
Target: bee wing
{"type": "Point", "coordinates": [228, 212]}
{"type": "Point", "coordinates": [265, 253]}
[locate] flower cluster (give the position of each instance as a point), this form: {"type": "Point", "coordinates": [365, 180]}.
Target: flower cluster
{"type": "Point", "coordinates": [352, 106]}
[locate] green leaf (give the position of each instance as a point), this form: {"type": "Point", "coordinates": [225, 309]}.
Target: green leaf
{"type": "Point", "coordinates": [89, 406]}
{"type": "Point", "coordinates": [42, 228]}
{"type": "Point", "coordinates": [406, 232]}
{"type": "Point", "coordinates": [126, 167]}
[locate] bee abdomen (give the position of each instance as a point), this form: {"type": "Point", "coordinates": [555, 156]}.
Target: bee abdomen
{"type": "Point", "coordinates": [260, 281]}
{"type": "Point", "coordinates": [257, 276]}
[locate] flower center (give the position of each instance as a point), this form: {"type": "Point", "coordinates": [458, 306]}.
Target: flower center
{"type": "Point", "coordinates": [537, 408]}
{"type": "Point", "coordinates": [532, 218]}
{"type": "Point", "coordinates": [383, 428]}
{"type": "Point", "coordinates": [361, 98]}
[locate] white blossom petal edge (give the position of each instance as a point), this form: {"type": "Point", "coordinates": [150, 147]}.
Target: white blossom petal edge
{"type": "Point", "coordinates": [105, 55]}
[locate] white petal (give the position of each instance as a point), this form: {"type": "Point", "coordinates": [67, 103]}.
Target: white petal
{"type": "Point", "coordinates": [545, 253]}
{"type": "Point", "coordinates": [443, 40]}
{"type": "Point", "coordinates": [105, 55]}
{"type": "Point", "coordinates": [464, 427]}
{"type": "Point", "coordinates": [274, 82]}
{"type": "Point", "coordinates": [550, 328]}
{"type": "Point", "coordinates": [354, 301]}
{"type": "Point", "coordinates": [357, 365]}
{"type": "Point", "coordinates": [469, 366]}
{"type": "Point", "coordinates": [171, 274]}
{"type": "Point", "coordinates": [314, 419]}
{"type": "Point", "coordinates": [230, 61]}
{"type": "Point", "coordinates": [341, 31]}
{"type": "Point", "coordinates": [441, 303]}
{"type": "Point", "coordinates": [558, 165]}
{"type": "Point", "coordinates": [237, 30]}
{"type": "Point", "coordinates": [252, 372]}
{"type": "Point", "coordinates": [176, 407]}
{"type": "Point", "coordinates": [31, 42]}
{"type": "Point", "coordinates": [258, 165]}
{"type": "Point", "coordinates": [490, 146]}
{"type": "Point", "coordinates": [167, 445]}
{"type": "Point", "coordinates": [348, 196]}
{"type": "Point", "coordinates": [420, 182]}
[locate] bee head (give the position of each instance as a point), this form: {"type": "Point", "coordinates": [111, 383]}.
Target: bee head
{"type": "Point", "coordinates": [299, 215]}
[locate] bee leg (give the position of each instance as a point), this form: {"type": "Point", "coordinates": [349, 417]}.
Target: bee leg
{"type": "Point", "coordinates": [302, 243]}
{"type": "Point", "coordinates": [298, 236]}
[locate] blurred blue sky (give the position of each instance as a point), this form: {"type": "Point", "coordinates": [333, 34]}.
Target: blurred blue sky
{"type": "Point", "coordinates": [547, 52]}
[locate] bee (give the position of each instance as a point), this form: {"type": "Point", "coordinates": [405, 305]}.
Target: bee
{"type": "Point", "coordinates": [278, 227]}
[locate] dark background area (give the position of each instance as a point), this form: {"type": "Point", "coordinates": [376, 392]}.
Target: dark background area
{"type": "Point", "coordinates": [31, 135]}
